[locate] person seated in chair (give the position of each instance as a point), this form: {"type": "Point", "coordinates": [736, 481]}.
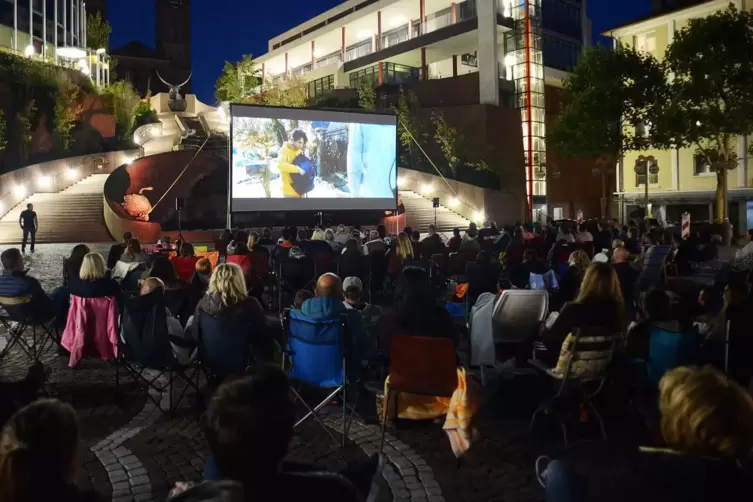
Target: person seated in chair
{"type": "Point", "coordinates": [183, 350]}
{"type": "Point", "coordinates": [93, 280]}
{"type": "Point", "coordinates": [316, 245]}
{"type": "Point", "coordinates": [72, 264]}
{"type": "Point", "coordinates": [117, 250]}
{"type": "Point", "coordinates": [483, 276]}
{"type": "Point", "coordinates": [520, 275]}
{"type": "Point", "coordinates": [432, 244]}
{"type": "Point", "coordinates": [353, 300]}
{"type": "Point", "coordinates": [185, 262]}
{"type": "Point", "coordinates": [416, 311]}
{"type": "Point", "coordinates": [227, 297]}
{"type": "Point", "coordinates": [17, 283]}
{"type": "Point", "coordinates": [328, 303]}
{"type": "Point", "coordinates": [39, 455]}
{"type": "Point", "coordinates": [249, 428]}
{"type": "Point", "coordinates": [599, 310]}
{"type": "Point", "coordinates": [300, 298]}
{"type": "Point", "coordinates": [707, 426]}
{"type": "Point", "coordinates": [375, 244]}
{"type": "Point", "coordinates": [297, 269]}
{"type": "Point", "coordinates": [163, 269]}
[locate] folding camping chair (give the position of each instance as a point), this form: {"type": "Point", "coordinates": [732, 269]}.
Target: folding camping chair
{"type": "Point", "coordinates": [317, 351]}
{"type": "Point", "coordinates": [303, 278]}
{"type": "Point", "coordinates": [225, 346]}
{"type": "Point", "coordinates": [145, 348]}
{"type": "Point", "coordinates": [18, 311]}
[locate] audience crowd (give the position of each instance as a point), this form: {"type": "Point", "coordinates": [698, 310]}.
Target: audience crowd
{"type": "Point", "coordinates": [602, 280]}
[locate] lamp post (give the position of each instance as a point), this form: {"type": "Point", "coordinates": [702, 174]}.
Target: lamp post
{"type": "Point", "coordinates": [645, 166]}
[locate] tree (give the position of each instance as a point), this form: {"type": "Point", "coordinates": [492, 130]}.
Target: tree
{"type": "Point", "coordinates": [3, 126]}
{"type": "Point", "coordinates": [67, 109]}
{"type": "Point", "coordinates": [409, 127]}
{"type": "Point", "coordinates": [125, 102]}
{"type": "Point", "coordinates": [367, 98]}
{"type": "Point", "coordinates": [292, 93]}
{"type": "Point", "coordinates": [98, 32]}
{"type": "Point", "coordinates": [238, 82]}
{"type": "Point", "coordinates": [609, 94]}
{"type": "Point", "coordinates": [711, 97]}
{"type": "Point", "coordinates": [447, 138]}
{"type": "Point", "coordinates": [25, 120]}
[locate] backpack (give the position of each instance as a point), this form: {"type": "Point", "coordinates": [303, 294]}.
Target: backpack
{"type": "Point", "coordinates": [303, 183]}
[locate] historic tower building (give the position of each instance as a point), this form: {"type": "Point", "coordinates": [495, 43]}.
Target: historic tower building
{"type": "Point", "coordinates": [172, 30]}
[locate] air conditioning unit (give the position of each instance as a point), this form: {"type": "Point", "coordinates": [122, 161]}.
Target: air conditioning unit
{"type": "Point", "coordinates": [470, 59]}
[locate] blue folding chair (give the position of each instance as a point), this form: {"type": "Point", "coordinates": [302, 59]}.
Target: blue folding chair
{"type": "Point", "coordinates": [225, 346]}
{"type": "Point", "coordinates": [668, 350]}
{"type": "Point", "coordinates": [317, 352]}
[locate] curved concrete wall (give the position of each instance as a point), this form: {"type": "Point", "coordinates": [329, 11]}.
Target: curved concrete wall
{"type": "Point", "coordinates": [157, 171]}
{"type": "Point", "coordinates": [55, 176]}
{"type": "Point", "coordinates": [472, 201]}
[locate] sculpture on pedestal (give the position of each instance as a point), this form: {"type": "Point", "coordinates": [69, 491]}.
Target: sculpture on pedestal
{"type": "Point", "coordinates": [177, 102]}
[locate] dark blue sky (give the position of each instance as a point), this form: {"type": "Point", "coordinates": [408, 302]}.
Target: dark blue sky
{"type": "Point", "coordinates": [227, 29]}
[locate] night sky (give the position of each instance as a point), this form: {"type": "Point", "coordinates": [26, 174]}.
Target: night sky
{"type": "Point", "coordinates": [227, 29]}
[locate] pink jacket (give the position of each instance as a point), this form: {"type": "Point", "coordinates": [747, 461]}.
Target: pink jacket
{"type": "Point", "coordinates": [91, 329]}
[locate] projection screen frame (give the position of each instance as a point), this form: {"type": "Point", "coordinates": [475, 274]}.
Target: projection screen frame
{"type": "Point", "coordinates": [367, 117]}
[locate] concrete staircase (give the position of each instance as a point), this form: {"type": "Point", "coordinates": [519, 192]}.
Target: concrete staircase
{"type": "Point", "coordinates": [71, 216]}
{"type": "Point", "coordinates": [419, 212]}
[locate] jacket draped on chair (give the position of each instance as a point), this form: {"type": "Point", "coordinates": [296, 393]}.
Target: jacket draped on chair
{"type": "Point", "coordinates": [91, 329]}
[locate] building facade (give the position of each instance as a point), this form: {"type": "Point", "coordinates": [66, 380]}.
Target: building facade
{"type": "Point", "coordinates": [41, 28]}
{"type": "Point", "coordinates": [680, 181]}
{"type": "Point", "coordinates": [511, 45]}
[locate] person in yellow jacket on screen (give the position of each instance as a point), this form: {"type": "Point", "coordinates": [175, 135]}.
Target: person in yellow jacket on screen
{"type": "Point", "coordinates": [285, 158]}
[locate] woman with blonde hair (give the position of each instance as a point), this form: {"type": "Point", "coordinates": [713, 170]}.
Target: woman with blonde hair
{"type": "Point", "coordinates": [38, 455]}
{"type": "Point", "coordinates": [404, 247]}
{"type": "Point", "coordinates": [573, 277]}
{"type": "Point", "coordinates": [95, 282]}
{"type": "Point", "coordinates": [598, 310]}
{"type": "Point", "coordinates": [707, 425]}
{"type": "Point", "coordinates": [227, 300]}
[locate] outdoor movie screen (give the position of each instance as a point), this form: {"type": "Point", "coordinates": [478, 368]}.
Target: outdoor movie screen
{"type": "Point", "coordinates": [288, 159]}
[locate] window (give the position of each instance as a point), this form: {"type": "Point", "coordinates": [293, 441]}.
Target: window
{"type": "Point", "coordinates": [642, 129]}
{"type": "Point", "coordinates": [645, 42]}
{"type": "Point", "coordinates": [321, 86]}
{"type": "Point", "coordinates": [640, 179]}
{"type": "Point", "coordinates": [559, 53]}
{"type": "Point", "coordinates": [701, 167]}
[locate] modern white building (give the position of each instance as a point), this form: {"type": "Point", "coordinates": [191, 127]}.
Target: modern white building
{"type": "Point", "coordinates": [520, 44]}
{"type": "Point", "coordinates": [52, 31]}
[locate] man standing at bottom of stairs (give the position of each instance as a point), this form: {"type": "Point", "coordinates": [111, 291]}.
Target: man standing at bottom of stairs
{"type": "Point", "coordinates": [29, 224]}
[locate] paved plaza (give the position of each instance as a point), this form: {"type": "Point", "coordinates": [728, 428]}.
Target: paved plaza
{"type": "Point", "coordinates": [131, 451]}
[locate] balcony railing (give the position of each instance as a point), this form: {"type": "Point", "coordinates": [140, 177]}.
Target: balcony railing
{"type": "Point", "coordinates": [392, 73]}
{"type": "Point", "coordinates": [358, 50]}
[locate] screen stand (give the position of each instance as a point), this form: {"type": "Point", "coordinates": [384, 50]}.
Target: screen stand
{"type": "Point", "coordinates": [320, 219]}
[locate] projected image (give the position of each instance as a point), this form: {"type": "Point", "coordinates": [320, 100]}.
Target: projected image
{"type": "Point", "coordinates": [288, 158]}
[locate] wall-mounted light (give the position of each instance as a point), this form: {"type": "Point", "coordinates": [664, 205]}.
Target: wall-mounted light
{"type": "Point", "coordinates": [400, 181]}
{"type": "Point", "coordinates": [19, 190]}
{"type": "Point", "coordinates": [29, 51]}
{"type": "Point", "coordinates": [398, 21]}
{"type": "Point", "coordinates": [427, 189]}
{"type": "Point", "coordinates": [363, 35]}
{"type": "Point", "coordinates": [71, 173]}
{"type": "Point", "coordinates": [454, 202]}
{"type": "Point", "coordinates": [318, 53]}
{"type": "Point", "coordinates": [128, 161]}
{"type": "Point", "coordinates": [44, 180]}
{"type": "Point", "coordinates": [478, 216]}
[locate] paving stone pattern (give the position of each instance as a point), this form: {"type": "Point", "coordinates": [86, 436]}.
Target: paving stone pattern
{"type": "Point", "coordinates": [132, 452]}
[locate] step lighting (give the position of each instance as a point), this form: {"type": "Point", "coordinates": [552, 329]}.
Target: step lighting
{"type": "Point", "coordinates": [44, 180]}
{"type": "Point", "coordinates": [19, 190]}
{"type": "Point", "coordinates": [72, 173]}
{"type": "Point", "coordinates": [478, 216]}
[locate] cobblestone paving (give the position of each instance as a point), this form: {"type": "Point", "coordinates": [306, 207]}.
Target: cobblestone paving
{"type": "Point", "coordinates": [131, 451]}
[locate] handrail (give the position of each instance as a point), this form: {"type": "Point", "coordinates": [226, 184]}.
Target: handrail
{"type": "Point", "coordinates": [430, 161]}
{"type": "Point", "coordinates": [181, 174]}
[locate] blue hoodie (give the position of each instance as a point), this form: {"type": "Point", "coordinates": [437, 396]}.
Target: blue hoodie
{"type": "Point", "coordinates": [321, 307]}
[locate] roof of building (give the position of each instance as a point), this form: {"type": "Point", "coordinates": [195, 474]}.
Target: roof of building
{"type": "Point", "coordinates": [136, 49]}
{"type": "Point", "coordinates": [667, 8]}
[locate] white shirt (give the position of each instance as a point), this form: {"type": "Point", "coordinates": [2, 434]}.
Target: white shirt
{"type": "Point", "coordinates": [746, 250]}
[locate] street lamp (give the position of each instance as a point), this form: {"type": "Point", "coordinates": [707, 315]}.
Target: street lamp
{"type": "Point", "coordinates": [644, 166]}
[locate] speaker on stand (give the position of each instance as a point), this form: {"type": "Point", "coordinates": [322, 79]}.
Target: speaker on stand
{"type": "Point", "coordinates": [179, 206]}
{"type": "Point", "coordinates": [435, 202]}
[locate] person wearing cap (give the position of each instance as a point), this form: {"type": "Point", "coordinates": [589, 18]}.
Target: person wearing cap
{"type": "Point", "coordinates": [353, 300]}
